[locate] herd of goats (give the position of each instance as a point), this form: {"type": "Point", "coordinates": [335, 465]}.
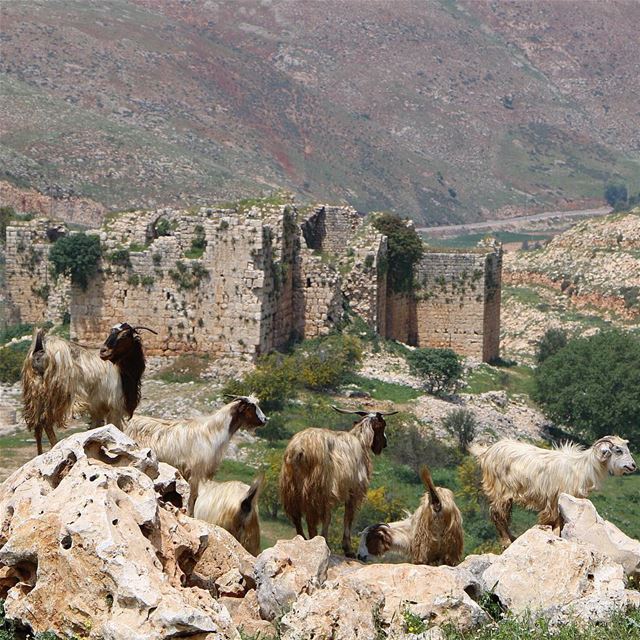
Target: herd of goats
{"type": "Point", "coordinates": [321, 468]}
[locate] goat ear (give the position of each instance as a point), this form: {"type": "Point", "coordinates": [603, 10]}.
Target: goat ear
{"type": "Point", "coordinates": [603, 450]}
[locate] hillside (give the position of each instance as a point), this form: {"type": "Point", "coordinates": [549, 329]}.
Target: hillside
{"type": "Point", "coordinates": [585, 278]}
{"type": "Point", "coordinates": [447, 111]}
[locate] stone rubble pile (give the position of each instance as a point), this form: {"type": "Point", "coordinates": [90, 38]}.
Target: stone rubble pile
{"type": "Point", "coordinates": [94, 543]}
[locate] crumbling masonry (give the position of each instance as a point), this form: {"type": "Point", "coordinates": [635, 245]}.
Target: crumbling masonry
{"type": "Point", "coordinates": [236, 283]}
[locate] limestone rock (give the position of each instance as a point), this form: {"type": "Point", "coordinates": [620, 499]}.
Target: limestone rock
{"type": "Point", "coordinates": [171, 486]}
{"type": "Point", "coordinates": [245, 613]}
{"type": "Point", "coordinates": [560, 579]}
{"type": "Point", "coordinates": [87, 550]}
{"type": "Point", "coordinates": [339, 612]}
{"type": "Point", "coordinates": [476, 566]}
{"type": "Point", "coordinates": [584, 524]}
{"type": "Point", "coordinates": [438, 595]}
{"type": "Point", "coordinates": [286, 570]}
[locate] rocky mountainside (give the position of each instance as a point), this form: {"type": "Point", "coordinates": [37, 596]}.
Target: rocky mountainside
{"type": "Point", "coordinates": [443, 110]}
{"type": "Point", "coordinates": [585, 278]}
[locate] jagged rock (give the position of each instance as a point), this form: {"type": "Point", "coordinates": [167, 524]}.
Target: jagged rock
{"type": "Point", "coordinates": [88, 550]}
{"type": "Point", "coordinates": [245, 613]}
{"type": "Point", "coordinates": [559, 579]}
{"type": "Point", "coordinates": [171, 486]}
{"type": "Point", "coordinates": [476, 566]}
{"type": "Point", "coordinates": [438, 595]}
{"type": "Point", "coordinates": [337, 611]}
{"type": "Point", "coordinates": [582, 523]}
{"type": "Point", "coordinates": [286, 570]}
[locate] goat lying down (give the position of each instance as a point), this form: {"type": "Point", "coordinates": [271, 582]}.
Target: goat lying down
{"type": "Point", "coordinates": [431, 535]}
{"type": "Point", "coordinates": [233, 506]}
{"type": "Point", "coordinates": [533, 477]}
{"type": "Point", "coordinates": [196, 446]}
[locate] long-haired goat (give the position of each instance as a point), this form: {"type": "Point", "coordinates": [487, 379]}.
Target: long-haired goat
{"type": "Point", "coordinates": [431, 535]}
{"type": "Point", "coordinates": [196, 446]}
{"type": "Point", "coordinates": [58, 375]}
{"type": "Point", "coordinates": [233, 506]}
{"type": "Point", "coordinates": [322, 468]}
{"type": "Point", "coordinates": [532, 477]}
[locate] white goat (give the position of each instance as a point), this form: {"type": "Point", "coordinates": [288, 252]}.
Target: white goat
{"type": "Point", "coordinates": [322, 468]}
{"type": "Point", "coordinates": [196, 446]}
{"type": "Point", "coordinates": [431, 535]}
{"type": "Point", "coordinates": [233, 506]}
{"type": "Point", "coordinates": [58, 375]}
{"type": "Point", "coordinates": [532, 477]}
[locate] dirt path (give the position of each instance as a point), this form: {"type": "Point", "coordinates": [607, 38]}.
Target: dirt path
{"type": "Point", "coordinates": [506, 222]}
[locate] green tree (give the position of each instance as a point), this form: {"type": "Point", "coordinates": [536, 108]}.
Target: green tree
{"type": "Point", "coordinates": [77, 256]}
{"type": "Point", "coordinates": [462, 425]}
{"type": "Point", "coordinates": [404, 250]}
{"type": "Point", "coordinates": [591, 386]}
{"type": "Point", "coordinates": [440, 369]}
{"type": "Point", "coordinates": [615, 194]}
{"type": "Point", "coordinates": [7, 214]}
{"type": "Point", "coordinates": [551, 342]}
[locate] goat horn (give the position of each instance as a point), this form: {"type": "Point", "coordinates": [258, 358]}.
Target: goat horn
{"type": "Point", "coordinates": [388, 413]}
{"type": "Point", "coordinates": [146, 329]}
{"type": "Point", "coordinates": [339, 410]}
{"type": "Point", "coordinates": [230, 395]}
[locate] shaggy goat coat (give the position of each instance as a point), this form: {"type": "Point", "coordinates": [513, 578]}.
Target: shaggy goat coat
{"type": "Point", "coordinates": [233, 506]}
{"type": "Point", "coordinates": [195, 446]}
{"type": "Point", "coordinates": [533, 477]}
{"type": "Point", "coordinates": [323, 468]}
{"type": "Point", "coordinates": [431, 535]}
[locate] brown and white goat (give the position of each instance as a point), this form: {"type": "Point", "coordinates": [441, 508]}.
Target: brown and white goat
{"type": "Point", "coordinates": [322, 468]}
{"type": "Point", "coordinates": [233, 506]}
{"type": "Point", "coordinates": [533, 477]}
{"type": "Point", "coordinates": [58, 375]}
{"type": "Point", "coordinates": [431, 535]}
{"type": "Point", "coordinates": [196, 446]}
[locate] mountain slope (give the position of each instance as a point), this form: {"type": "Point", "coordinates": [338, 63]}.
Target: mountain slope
{"type": "Point", "coordinates": [443, 111]}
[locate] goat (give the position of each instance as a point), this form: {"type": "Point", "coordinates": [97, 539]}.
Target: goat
{"type": "Point", "coordinates": [59, 376]}
{"type": "Point", "coordinates": [233, 506]}
{"type": "Point", "coordinates": [431, 535]}
{"type": "Point", "coordinates": [196, 446]}
{"type": "Point", "coordinates": [532, 477]}
{"type": "Point", "coordinates": [322, 468]}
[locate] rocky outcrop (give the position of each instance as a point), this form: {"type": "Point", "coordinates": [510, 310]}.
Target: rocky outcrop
{"type": "Point", "coordinates": [88, 549]}
{"type": "Point", "coordinates": [557, 578]}
{"type": "Point", "coordinates": [582, 523]}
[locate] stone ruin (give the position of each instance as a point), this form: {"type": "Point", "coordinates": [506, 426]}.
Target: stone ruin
{"type": "Point", "coordinates": [238, 282]}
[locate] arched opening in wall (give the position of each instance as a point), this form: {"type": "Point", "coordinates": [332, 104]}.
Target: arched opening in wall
{"type": "Point", "coordinates": [308, 282]}
{"type": "Point", "coordinates": [168, 295]}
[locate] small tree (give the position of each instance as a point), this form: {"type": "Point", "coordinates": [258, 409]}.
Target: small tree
{"type": "Point", "coordinates": [440, 369]}
{"type": "Point", "coordinates": [551, 342]}
{"type": "Point", "coordinates": [270, 494]}
{"type": "Point", "coordinates": [461, 424]}
{"type": "Point", "coordinates": [616, 194]}
{"type": "Point", "coordinates": [76, 256]}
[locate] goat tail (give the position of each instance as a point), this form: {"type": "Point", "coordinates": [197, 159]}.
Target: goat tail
{"type": "Point", "coordinates": [253, 493]}
{"type": "Point", "coordinates": [427, 480]}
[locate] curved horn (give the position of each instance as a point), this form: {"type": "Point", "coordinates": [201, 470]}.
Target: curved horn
{"type": "Point", "coordinates": [146, 329]}
{"type": "Point", "coordinates": [39, 341]}
{"type": "Point", "coordinates": [339, 410]}
{"type": "Point", "coordinates": [230, 395]}
{"type": "Point", "coordinates": [388, 413]}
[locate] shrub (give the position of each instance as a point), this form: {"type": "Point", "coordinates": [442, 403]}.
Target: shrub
{"type": "Point", "coordinates": [120, 257]}
{"type": "Point", "coordinates": [404, 250]}
{"type": "Point", "coordinates": [163, 227]}
{"type": "Point", "coordinates": [15, 331]}
{"type": "Point", "coordinates": [551, 342]}
{"type": "Point", "coordinates": [7, 214]}
{"type": "Point", "coordinates": [188, 278]}
{"type": "Point", "coordinates": [76, 256]}
{"type": "Point", "coordinates": [440, 369]}
{"type": "Point", "coordinates": [11, 359]}
{"type": "Point", "coordinates": [270, 494]}
{"type": "Point", "coordinates": [592, 386]}
{"type": "Point", "coordinates": [462, 425]}
{"type": "Point", "coordinates": [616, 194]}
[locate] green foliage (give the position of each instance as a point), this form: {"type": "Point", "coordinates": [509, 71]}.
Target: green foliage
{"type": "Point", "coordinates": [11, 359]}
{"type": "Point", "coordinates": [120, 257]}
{"type": "Point", "coordinates": [413, 623]}
{"type": "Point", "coordinates": [616, 194]}
{"type": "Point", "coordinates": [462, 425]}
{"type": "Point", "coordinates": [631, 296]}
{"type": "Point", "coordinates": [188, 278]}
{"type": "Point", "coordinates": [7, 214]}
{"type": "Point", "coordinates": [404, 250]}
{"type": "Point", "coordinates": [77, 256]}
{"type": "Point", "coordinates": [440, 369]}
{"type": "Point", "coordinates": [133, 280]}
{"type": "Point", "coordinates": [592, 385]}
{"type": "Point", "coordinates": [184, 368]}
{"type": "Point", "coordinates": [15, 331]}
{"type": "Point", "coordinates": [551, 342]}
{"type": "Point", "coordinates": [163, 227]}
{"type": "Point", "coordinates": [270, 494]}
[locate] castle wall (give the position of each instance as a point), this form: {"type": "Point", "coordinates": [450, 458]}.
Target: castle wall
{"type": "Point", "coordinates": [331, 229]}
{"type": "Point", "coordinates": [401, 318]}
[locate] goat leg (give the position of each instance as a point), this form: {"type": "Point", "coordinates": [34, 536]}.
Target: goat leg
{"type": "Point", "coordinates": [37, 432]}
{"type": "Point", "coordinates": [501, 515]}
{"type": "Point", "coordinates": [51, 435]}
{"type": "Point", "coordinates": [349, 514]}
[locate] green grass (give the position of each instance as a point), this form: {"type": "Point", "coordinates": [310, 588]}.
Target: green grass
{"type": "Point", "coordinates": [524, 295]}
{"type": "Point", "coordinates": [470, 240]}
{"type": "Point", "coordinates": [185, 368]}
{"type": "Point", "coordinates": [380, 390]}
{"type": "Point", "coordinates": [513, 379]}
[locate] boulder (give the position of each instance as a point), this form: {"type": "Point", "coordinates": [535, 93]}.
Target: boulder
{"type": "Point", "coordinates": [337, 611]}
{"type": "Point", "coordinates": [286, 570]}
{"type": "Point", "coordinates": [582, 523]}
{"type": "Point", "coordinates": [171, 486]}
{"type": "Point", "coordinates": [557, 578]}
{"type": "Point", "coordinates": [476, 565]}
{"type": "Point", "coordinates": [245, 613]}
{"type": "Point", "coordinates": [438, 595]}
{"type": "Point", "coordinates": [88, 549]}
